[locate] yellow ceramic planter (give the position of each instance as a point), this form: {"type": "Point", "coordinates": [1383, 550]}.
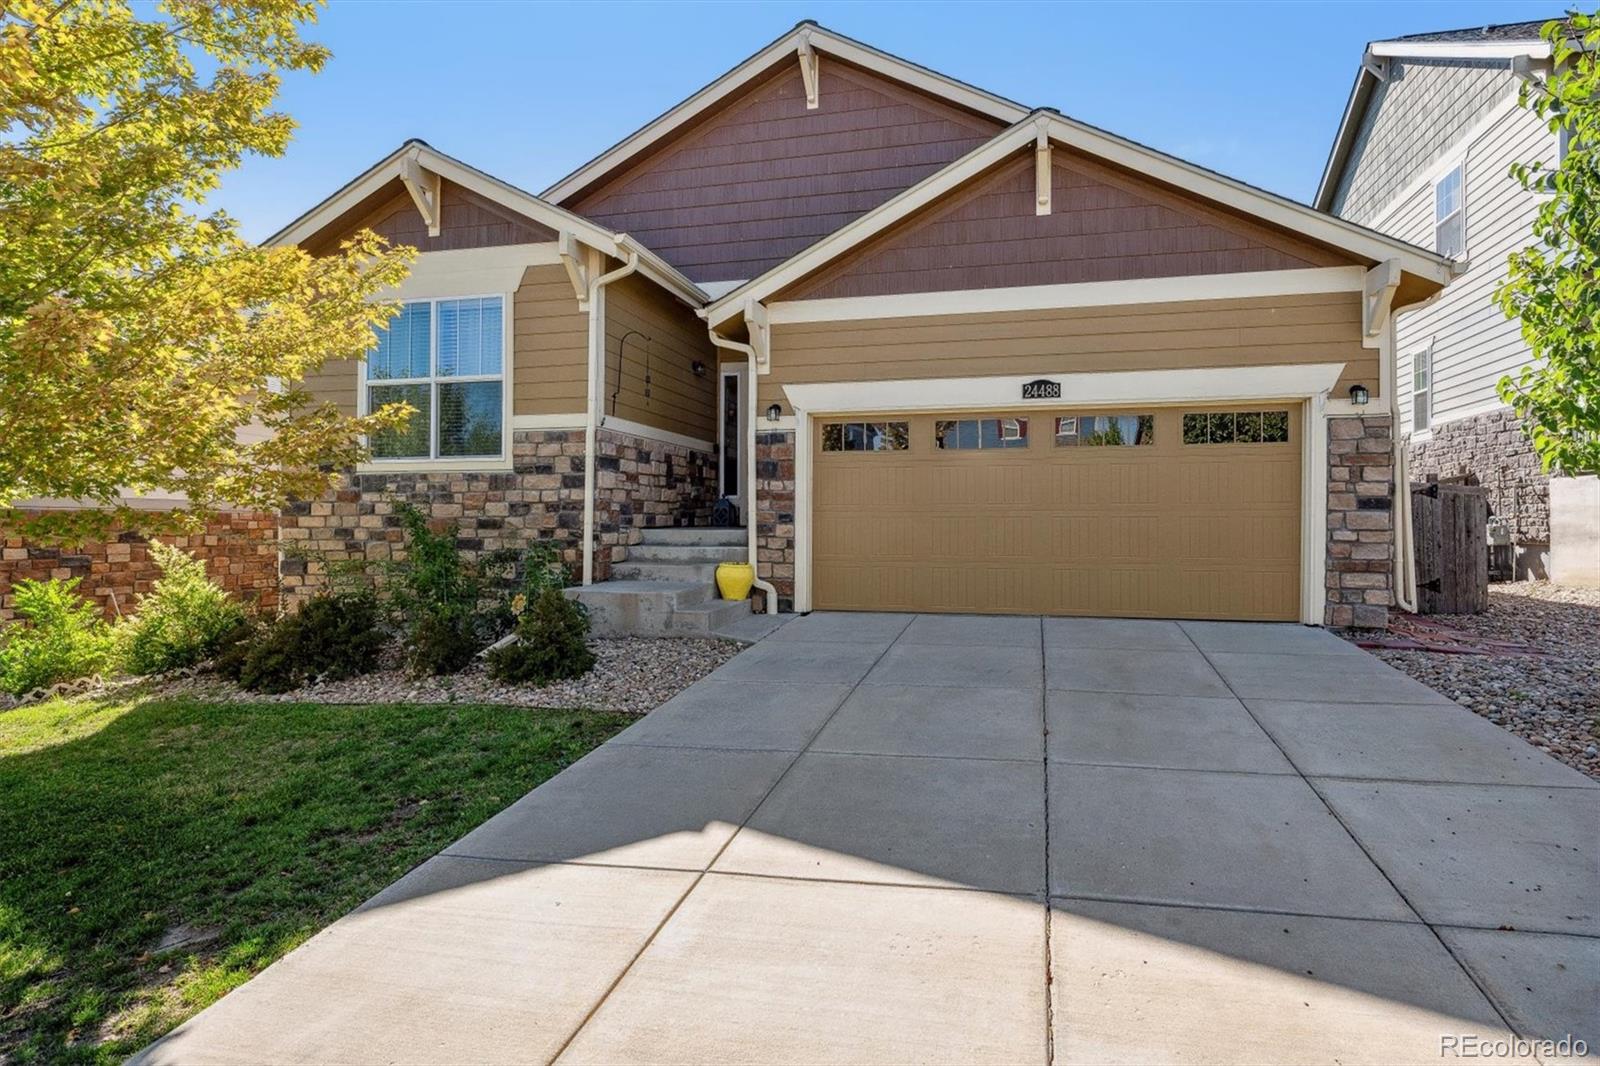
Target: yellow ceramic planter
{"type": "Point", "coordinates": [734, 580]}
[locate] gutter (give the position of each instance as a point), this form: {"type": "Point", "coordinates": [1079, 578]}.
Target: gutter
{"type": "Point", "coordinates": [591, 414]}
{"type": "Point", "coordinates": [749, 353]}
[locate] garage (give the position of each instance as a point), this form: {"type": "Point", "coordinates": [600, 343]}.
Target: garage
{"type": "Point", "coordinates": [1163, 511]}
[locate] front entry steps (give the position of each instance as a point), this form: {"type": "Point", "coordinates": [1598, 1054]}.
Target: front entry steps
{"type": "Point", "coordinates": [667, 587]}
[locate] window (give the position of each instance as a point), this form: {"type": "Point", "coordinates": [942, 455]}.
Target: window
{"type": "Point", "coordinates": [1449, 215]}
{"type": "Point", "coordinates": [1421, 389]}
{"type": "Point", "coordinates": [866, 436]}
{"type": "Point", "coordinates": [1098, 430]}
{"type": "Point", "coordinates": [1236, 427]}
{"type": "Point", "coordinates": [973, 433]}
{"type": "Point", "coordinates": [446, 358]}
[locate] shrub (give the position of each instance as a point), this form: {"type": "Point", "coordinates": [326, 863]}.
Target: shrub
{"type": "Point", "coordinates": [437, 598]}
{"type": "Point", "coordinates": [332, 637]}
{"type": "Point", "coordinates": [182, 621]}
{"type": "Point", "coordinates": [62, 637]}
{"type": "Point", "coordinates": [552, 643]}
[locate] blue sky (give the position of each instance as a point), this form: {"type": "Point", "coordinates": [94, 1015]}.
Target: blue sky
{"type": "Point", "coordinates": [529, 91]}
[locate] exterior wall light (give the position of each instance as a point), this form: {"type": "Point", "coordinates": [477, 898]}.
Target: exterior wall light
{"type": "Point", "coordinates": [1358, 395]}
{"type": "Point", "coordinates": [774, 413]}
{"type": "Point", "coordinates": [698, 368]}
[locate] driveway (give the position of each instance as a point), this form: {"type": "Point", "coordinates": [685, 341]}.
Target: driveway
{"type": "Point", "coordinates": [887, 838]}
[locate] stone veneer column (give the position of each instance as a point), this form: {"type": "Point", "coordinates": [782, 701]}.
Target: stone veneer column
{"type": "Point", "coordinates": [774, 513]}
{"type": "Point", "coordinates": [1361, 531]}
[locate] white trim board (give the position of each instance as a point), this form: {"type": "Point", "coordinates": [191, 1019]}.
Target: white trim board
{"type": "Point", "coordinates": [820, 40]}
{"type": "Point", "coordinates": [1085, 294]}
{"type": "Point", "coordinates": [1535, 48]}
{"type": "Point", "coordinates": [1295, 381]}
{"type": "Point", "coordinates": [470, 271]}
{"type": "Point", "coordinates": [666, 436]}
{"type": "Point", "coordinates": [1206, 184]}
{"type": "Point", "coordinates": [561, 421]}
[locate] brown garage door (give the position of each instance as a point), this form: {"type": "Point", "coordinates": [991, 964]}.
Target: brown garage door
{"type": "Point", "coordinates": [1159, 512]}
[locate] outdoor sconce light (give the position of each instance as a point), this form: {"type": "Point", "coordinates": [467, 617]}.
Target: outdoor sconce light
{"type": "Point", "coordinates": [699, 368]}
{"type": "Point", "coordinates": [774, 413]}
{"type": "Point", "coordinates": [1358, 395]}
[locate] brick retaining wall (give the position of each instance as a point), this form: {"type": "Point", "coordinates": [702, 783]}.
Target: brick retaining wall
{"type": "Point", "coordinates": [240, 551]}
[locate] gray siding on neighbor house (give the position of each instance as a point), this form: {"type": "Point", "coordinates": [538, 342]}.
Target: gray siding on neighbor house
{"type": "Point", "coordinates": [1473, 342]}
{"type": "Point", "coordinates": [1415, 114]}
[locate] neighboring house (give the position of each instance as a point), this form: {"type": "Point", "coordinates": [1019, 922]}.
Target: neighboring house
{"type": "Point", "coordinates": [943, 351]}
{"type": "Point", "coordinates": [1424, 152]}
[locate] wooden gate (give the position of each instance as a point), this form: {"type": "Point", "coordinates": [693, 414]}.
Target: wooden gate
{"type": "Point", "coordinates": [1450, 526]}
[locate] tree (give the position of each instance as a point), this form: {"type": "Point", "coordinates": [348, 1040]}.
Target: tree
{"type": "Point", "coordinates": [1554, 284]}
{"type": "Point", "coordinates": [138, 333]}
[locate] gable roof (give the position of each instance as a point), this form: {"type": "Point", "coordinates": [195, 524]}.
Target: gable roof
{"type": "Point", "coordinates": [803, 35]}
{"type": "Point", "coordinates": [1206, 184]}
{"type": "Point", "coordinates": [388, 169]}
{"type": "Point", "coordinates": [1505, 41]}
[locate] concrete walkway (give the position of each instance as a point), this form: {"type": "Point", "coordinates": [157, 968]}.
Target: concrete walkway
{"type": "Point", "coordinates": [885, 838]}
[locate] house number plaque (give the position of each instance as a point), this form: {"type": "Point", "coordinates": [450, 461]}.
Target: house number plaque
{"type": "Point", "coordinates": [1043, 389]}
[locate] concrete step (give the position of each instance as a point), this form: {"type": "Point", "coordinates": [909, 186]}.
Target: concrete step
{"type": "Point", "coordinates": [686, 553]}
{"type": "Point", "coordinates": [685, 536]}
{"type": "Point", "coordinates": [706, 619]}
{"type": "Point", "coordinates": [749, 628]}
{"type": "Point", "coordinates": [638, 608]}
{"type": "Point", "coordinates": [648, 571]}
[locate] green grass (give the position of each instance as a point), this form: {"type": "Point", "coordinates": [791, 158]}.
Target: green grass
{"type": "Point", "coordinates": [250, 826]}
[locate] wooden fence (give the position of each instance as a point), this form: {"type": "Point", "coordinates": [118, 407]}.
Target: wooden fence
{"type": "Point", "coordinates": [1450, 526]}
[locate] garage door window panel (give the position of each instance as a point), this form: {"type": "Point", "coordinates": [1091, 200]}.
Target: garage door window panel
{"type": "Point", "coordinates": [1236, 427]}
{"type": "Point", "coordinates": [1093, 431]}
{"type": "Point", "coordinates": [978, 434]}
{"type": "Point", "coordinates": [866, 436]}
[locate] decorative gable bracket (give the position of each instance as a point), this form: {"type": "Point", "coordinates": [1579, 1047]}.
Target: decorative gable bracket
{"type": "Point", "coordinates": [424, 185]}
{"type": "Point", "coordinates": [808, 69]}
{"type": "Point", "coordinates": [582, 263]}
{"type": "Point", "coordinates": [1377, 297]}
{"type": "Point", "coordinates": [1041, 169]}
{"type": "Point", "coordinates": [755, 320]}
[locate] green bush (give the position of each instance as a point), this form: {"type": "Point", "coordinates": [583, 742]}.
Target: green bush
{"type": "Point", "coordinates": [332, 637]}
{"type": "Point", "coordinates": [552, 643]}
{"type": "Point", "coordinates": [62, 637]}
{"type": "Point", "coordinates": [183, 620]}
{"type": "Point", "coordinates": [439, 600]}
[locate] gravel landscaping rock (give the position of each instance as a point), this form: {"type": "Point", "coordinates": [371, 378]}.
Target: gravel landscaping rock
{"type": "Point", "coordinates": [1551, 700]}
{"type": "Point", "coordinates": [633, 675]}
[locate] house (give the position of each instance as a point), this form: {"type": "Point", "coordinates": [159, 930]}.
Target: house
{"type": "Point", "coordinates": [1424, 153]}
{"type": "Point", "coordinates": [942, 352]}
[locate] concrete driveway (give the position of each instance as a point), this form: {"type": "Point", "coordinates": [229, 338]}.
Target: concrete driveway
{"type": "Point", "coordinates": [885, 838]}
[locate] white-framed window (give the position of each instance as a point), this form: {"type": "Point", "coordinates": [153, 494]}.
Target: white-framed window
{"type": "Point", "coordinates": [1450, 213]}
{"type": "Point", "coordinates": [446, 358]}
{"type": "Point", "coordinates": [1421, 389]}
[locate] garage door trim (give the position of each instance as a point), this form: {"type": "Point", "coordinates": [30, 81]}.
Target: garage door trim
{"type": "Point", "coordinates": [1307, 384]}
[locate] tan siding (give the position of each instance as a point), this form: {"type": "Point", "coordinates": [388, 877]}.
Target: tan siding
{"type": "Point", "coordinates": [1322, 328]}
{"type": "Point", "coordinates": [468, 221]}
{"type": "Point", "coordinates": [663, 341]}
{"type": "Point", "coordinates": [335, 383]}
{"type": "Point", "coordinates": [550, 345]}
{"type": "Point", "coordinates": [1104, 225]}
{"type": "Point", "coordinates": [762, 178]}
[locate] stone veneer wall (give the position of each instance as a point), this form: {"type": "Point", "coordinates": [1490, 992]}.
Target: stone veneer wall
{"type": "Point", "coordinates": [775, 513]}
{"type": "Point", "coordinates": [1360, 576]}
{"type": "Point", "coordinates": [640, 482]}
{"type": "Point", "coordinates": [1492, 448]}
{"type": "Point", "coordinates": [240, 550]}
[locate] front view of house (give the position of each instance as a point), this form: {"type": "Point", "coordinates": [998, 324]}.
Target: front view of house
{"type": "Point", "coordinates": [933, 351]}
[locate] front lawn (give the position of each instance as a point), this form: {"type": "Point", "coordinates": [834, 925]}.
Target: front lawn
{"type": "Point", "coordinates": [156, 853]}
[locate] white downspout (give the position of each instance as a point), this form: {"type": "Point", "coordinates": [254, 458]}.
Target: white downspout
{"type": "Point", "coordinates": [591, 415]}
{"type": "Point", "coordinates": [766, 587]}
{"type": "Point", "coordinates": [1405, 562]}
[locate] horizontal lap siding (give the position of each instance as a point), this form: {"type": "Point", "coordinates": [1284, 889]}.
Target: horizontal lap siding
{"type": "Point", "coordinates": [1104, 225]}
{"type": "Point", "coordinates": [663, 339]}
{"type": "Point", "coordinates": [550, 339]}
{"type": "Point", "coordinates": [1474, 344]}
{"type": "Point", "coordinates": [764, 178]}
{"type": "Point", "coordinates": [1321, 328]}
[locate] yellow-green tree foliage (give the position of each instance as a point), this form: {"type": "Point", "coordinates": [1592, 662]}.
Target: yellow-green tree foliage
{"type": "Point", "coordinates": [140, 332]}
